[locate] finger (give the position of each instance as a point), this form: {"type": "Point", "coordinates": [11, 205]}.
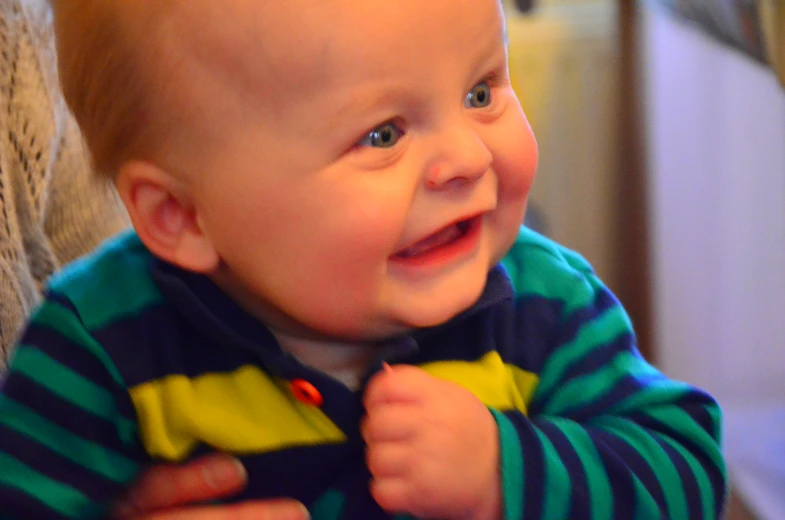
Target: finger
{"type": "Point", "coordinates": [400, 383]}
{"type": "Point", "coordinates": [161, 487]}
{"type": "Point", "coordinates": [392, 494]}
{"type": "Point", "coordinates": [257, 510]}
{"type": "Point", "coordinates": [389, 460]}
{"type": "Point", "coordinates": [390, 423]}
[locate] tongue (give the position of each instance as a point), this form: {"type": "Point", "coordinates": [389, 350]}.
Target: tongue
{"type": "Point", "coordinates": [438, 239]}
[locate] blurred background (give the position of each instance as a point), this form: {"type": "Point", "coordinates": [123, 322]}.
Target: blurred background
{"type": "Point", "coordinates": [661, 127]}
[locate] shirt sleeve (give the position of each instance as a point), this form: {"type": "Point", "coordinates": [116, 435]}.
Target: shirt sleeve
{"type": "Point", "coordinates": [68, 437]}
{"type": "Point", "coordinates": [607, 435]}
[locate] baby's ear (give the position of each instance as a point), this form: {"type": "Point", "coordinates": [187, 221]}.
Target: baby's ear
{"type": "Point", "coordinates": [164, 216]}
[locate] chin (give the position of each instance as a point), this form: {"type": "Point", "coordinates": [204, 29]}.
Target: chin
{"type": "Point", "coordinates": [432, 312]}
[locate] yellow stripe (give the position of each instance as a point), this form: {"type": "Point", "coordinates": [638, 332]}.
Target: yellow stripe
{"type": "Point", "coordinates": [498, 385]}
{"type": "Point", "coordinates": [246, 411]}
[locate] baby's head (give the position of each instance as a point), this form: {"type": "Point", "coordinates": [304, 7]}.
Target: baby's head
{"type": "Point", "coordinates": [343, 169]}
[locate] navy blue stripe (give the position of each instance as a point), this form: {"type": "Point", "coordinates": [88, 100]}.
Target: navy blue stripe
{"type": "Point", "coordinates": [697, 404]}
{"type": "Point", "coordinates": [58, 468]}
{"type": "Point", "coordinates": [624, 501]}
{"type": "Point", "coordinates": [292, 472]}
{"type": "Point", "coordinates": [21, 506]}
{"type": "Point", "coordinates": [533, 465]}
{"type": "Point", "coordinates": [159, 342]}
{"type": "Point", "coordinates": [690, 486]}
{"type": "Point", "coordinates": [560, 333]}
{"type": "Point", "coordinates": [701, 415]}
{"type": "Point", "coordinates": [525, 336]}
{"type": "Point", "coordinates": [465, 343]}
{"type": "Point", "coordinates": [63, 413]}
{"type": "Point", "coordinates": [69, 354]}
{"type": "Point", "coordinates": [623, 463]}
{"type": "Point", "coordinates": [716, 475]}
{"type": "Point", "coordinates": [580, 502]}
{"type": "Point", "coordinates": [568, 330]}
{"type": "Point", "coordinates": [630, 457]}
{"type": "Point", "coordinates": [601, 356]}
{"type": "Point", "coordinates": [627, 386]}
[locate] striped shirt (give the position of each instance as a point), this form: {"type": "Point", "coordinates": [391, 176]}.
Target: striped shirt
{"type": "Point", "coordinates": [131, 361]}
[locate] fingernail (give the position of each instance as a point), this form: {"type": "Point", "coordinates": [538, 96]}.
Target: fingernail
{"type": "Point", "coordinates": [223, 470]}
{"type": "Point", "coordinates": [289, 510]}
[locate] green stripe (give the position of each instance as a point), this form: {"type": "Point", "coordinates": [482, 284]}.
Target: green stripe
{"type": "Point", "coordinates": [706, 492]}
{"type": "Point", "coordinates": [541, 275]}
{"type": "Point", "coordinates": [600, 331]}
{"type": "Point", "coordinates": [67, 384]}
{"type": "Point", "coordinates": [329, 506]}
{"type": "Point", "coordinates": [600, 492]}
{"type": "Point", "coordinates": [590, 388]}
{"type": "Point", "coordinates": [59, 497]}
{"type": "Point", "coordinates": [656, 393]}
{"type": "Point", "coordinates": [62, 320]}
{"type": "Point", "coordinates": [655, 456]}
{"type": "Point", "coordinates": [556, 501]}
{"type": "Point", "coordinates": [511, 455]}
{"type": "Point", "coordinates": [646, 507]}
{"type": "Point", "coordinates": [538, 266]}
{"type": "Point", "coordinates": [687, 426]}
{"type": "Point", "coordinates": [590, 286]}
{"type": "Point", "coordinates": [94, 457]}
{"type": "Point", "coordinates": [111, 284]}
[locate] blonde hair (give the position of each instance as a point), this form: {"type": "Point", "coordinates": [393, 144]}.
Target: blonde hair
{"type": "Point", "coordinates": [107, 58]}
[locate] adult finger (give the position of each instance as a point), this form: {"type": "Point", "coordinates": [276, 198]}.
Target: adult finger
{"type": "Point", "coordinates": [252, 510]}
{"type": "Point", "coordinates": [166, 486]}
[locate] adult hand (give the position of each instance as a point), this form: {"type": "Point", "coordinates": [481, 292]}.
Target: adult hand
{"type": "Point", "coordinates": [170, 492]}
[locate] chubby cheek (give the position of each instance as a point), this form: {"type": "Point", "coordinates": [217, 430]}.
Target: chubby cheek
{"type": "Point", "coordinates": [515, 163]}
{"type": "Point", "coordinates": [515, 157]}
{"type": "Point", "coordinates": [350, 266]}
{"type": "Point", "coordinates": [318, 255]}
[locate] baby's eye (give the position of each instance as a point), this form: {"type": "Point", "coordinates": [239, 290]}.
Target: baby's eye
{"type": "Point", "coordinates": [383, 136]}
{"type": "Point", "coordinates": [479, 96]}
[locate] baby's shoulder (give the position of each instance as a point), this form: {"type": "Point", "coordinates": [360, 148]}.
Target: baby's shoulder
{"type": "Point", "coordinates": [112, 282]}
{"type": "Point", "coordinates": [541, 268]}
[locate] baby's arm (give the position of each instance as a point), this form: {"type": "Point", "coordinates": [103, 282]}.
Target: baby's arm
{"type": "Point", "coordinates": [607, 435]}
{"type": "Point", "coordinates": [68, 441]}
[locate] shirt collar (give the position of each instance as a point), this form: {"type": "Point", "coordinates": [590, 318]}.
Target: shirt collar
{"type": "Point", "coordinates": [207, 307]}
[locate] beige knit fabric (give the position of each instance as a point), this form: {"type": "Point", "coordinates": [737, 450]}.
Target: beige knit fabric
{"type": "Point", "coordinates": [52, 209]}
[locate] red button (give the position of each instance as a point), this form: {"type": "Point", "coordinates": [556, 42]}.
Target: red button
{"type": "Point", "coordinates": [306, 393]}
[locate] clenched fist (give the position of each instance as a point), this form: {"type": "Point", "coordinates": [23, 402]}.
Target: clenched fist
{"type": "Point", "coordinates": [432, 447]}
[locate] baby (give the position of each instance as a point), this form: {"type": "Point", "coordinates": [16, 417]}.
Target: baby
{"type": "Point", "coordinates": [321, 194]}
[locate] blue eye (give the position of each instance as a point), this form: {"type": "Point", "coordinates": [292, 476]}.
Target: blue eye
{"type": "Point", "coordinates": [383, 136]}
{"type": "Point", "coordinates": [479, 96]}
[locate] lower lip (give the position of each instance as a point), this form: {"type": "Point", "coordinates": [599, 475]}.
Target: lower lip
{"type": "Point", "coordinates": [447, 253]}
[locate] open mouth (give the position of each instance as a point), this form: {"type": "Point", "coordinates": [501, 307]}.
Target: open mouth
{"type": "Point", "coordinates": [452, 239]}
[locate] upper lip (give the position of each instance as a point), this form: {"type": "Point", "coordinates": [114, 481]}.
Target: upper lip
{"type": "Point", "coordinates": [412, 243]}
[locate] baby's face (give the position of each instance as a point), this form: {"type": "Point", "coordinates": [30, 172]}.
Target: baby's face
{"type": "Point", "coordinates": [363, 164]}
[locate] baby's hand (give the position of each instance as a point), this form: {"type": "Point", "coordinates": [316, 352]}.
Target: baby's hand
{"type": "Point", "coordinates": [433, 447]}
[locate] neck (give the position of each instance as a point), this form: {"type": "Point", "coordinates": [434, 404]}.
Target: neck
{"type": "Point", "coordinates": [346, 362]}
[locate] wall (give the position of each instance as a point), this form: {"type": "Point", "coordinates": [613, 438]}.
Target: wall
{"type": "Point", "coordinates": [716, 137]}
{"type": "Point", "coordinates": [717, 160]}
